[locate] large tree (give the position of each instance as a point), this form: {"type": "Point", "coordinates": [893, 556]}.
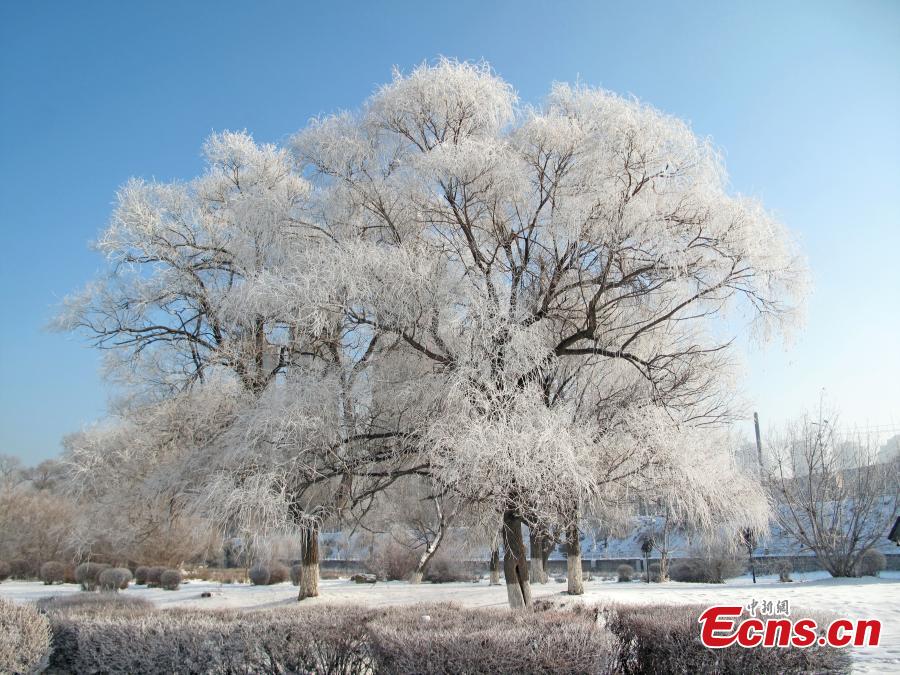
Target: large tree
{"type": "Point", "coordinates": [503, 241]}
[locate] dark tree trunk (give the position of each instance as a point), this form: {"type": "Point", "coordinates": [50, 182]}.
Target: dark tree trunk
{"type": "Point", "coordinates": [573, 563]}
{"type": "Point", "coordinates": [495, 564]}
{"type": "Point", "coordinates": [515, 561]}
{"type": "Point", "coordinates": [309, 575]}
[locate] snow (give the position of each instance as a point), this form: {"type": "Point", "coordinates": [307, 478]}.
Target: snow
{"type": "Point", "coordinates": [863, 598]}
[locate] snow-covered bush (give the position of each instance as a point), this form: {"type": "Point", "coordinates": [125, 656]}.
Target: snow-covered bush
{"type": "Point", "coordinates": [259, 575]}
{"type": "Point", "coordinates": [170, 580]}
{"type": "Point", "coordinates": [94, 603]}
{"type": "Point", "coordinates": [153, 575]}
{"type": "Point", "coordinates": [278, 573]}
{"type": "Point", "coordinates": [872, 562]}
{"type": "Point", "coordinates": [4, 570]}
{"type": "Point", "coordinates": [87, 574]}
{"type": "Point", "coordinates": [450, 639]}
{"type": "Point", "coordinates": [140, 575]}
{"type": "Point", "coordinates": [391, 561]}
{"type": "Point", "coordinates": [443, 568]}
{"type": "Point", "coordinates": [663, 639]}
{"type": "Point", "coordinates": [24, 638]}
{"type": "Point", "coordinates": [714, 569]}
{"type": "Point", "coordinates": [114, 579]}
{"type": "Point", "coordinates": [784, 571]}
{"type": "Point", "coordinates": [53, 572]}
{"type": "Point", "coordinates": [316, 639]}
{"type": "Point", "coordinates": [625, 572]}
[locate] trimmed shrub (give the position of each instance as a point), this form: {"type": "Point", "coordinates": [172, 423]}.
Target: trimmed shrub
{"type": "Point", "coordinates": [94, 603]}
{"type": "Point", "coordinates": [664, 639]}
{"type": "Point", "coordinates": [712, 570]}
{"type": "Point", "coordinates": [140, 575]}
{"type": "Point", "coordinates": [311, 640]}
{"type": "Point", "coordinates": [170, 580]}
{"type": "Point", "coordinates": [87, 574]}
{"type": "Point", "coordinates": [296, 574]}
{"type": "Point", "coordinates": [872, 562]}
{"type": "Point", "coordinates": [278, 573]}
{"type": "Point", "coordinates": [625, 572]}
{"type": "Point", "coordinates": [24, 638]}
{"type": "Point", "coordinates": [259, 575]}
{"type": "Point", "coordinates": [114, 579]}
{"type": "Point", "coordinates": [53, 573]}
{"type": "Point", "coordinates": [447, 639]}
{"type": "Point", "coordinates": [153, 575]}
{"type": "Point", "coordinates": [5, 571]}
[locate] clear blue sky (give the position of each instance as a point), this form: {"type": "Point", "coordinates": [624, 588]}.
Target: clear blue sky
{"type": "Point", "coordinates": [804, 98]}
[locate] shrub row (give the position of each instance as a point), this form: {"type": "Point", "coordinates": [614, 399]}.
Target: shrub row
{"type": "Point", "coordinates": [665, 639]}
{"type": "Point", "coordinates": [126, 637]}
{"type": "Point", "coordinates": [113, 633]}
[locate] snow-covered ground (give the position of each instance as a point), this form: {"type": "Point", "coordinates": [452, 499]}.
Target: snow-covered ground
{"type": "Point", "coordinates": [854, 598]}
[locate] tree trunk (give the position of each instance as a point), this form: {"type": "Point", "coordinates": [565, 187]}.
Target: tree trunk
{"type": "Point", "coordinates": [549, 545]}
{"type": "Point", "coordinates": [536, 573]}
{"type": "Point", "coordinates": [515, 562]}
{"type": "Point", "coordinates": [309, 574]}
{"type": "Point", "coordinates": [573, 564]}
{"type": "Point", "coordinates": [430, 549]}
{"type": "Point", "coordinates": [495, 564]}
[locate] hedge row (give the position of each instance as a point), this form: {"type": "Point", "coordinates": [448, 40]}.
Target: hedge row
{"type": "Point", "coordinates": [114, 633]}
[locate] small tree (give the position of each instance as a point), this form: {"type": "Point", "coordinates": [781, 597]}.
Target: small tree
{"type": "Point", "coordinates": [833, 497]}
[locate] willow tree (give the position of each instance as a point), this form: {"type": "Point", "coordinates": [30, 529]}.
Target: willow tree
{"type": "Point", "coordinates": [503, 241]}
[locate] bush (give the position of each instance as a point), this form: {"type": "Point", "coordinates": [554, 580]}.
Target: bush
{"type": "Point", "coordinates": [872, 562]}
{"type": "Point", "coordinates": [296, 574]}
{"type": "Point", "coordinates": [391, 561]}
{"type": "Point", "coordinates": [334, 640]}
{"type": "Point", "coordinates": [625, 572]}
{"type": "Point", "coordinates": [153, 575]}
{"type": "Point", "coordinates": [170, 580]}
{"type": "Point", "coordinates": [24, 638]}
{"type": "Point", "coordinates": [114, 579]}
{"type": "Point", "coordinates": [259, 575]}
{"type": "Point", "coordinates": [4, 571]}
{"type": "Point", "coordinates": [447, 639]}
{"type": "Point", "coordinates": [87, 574]}
{"type": "Point", "coordinates": [278, 573]}
{"type": "Point", "coordinates": [664, 639]}
{"type": "Point", "coordinates": [442, 569]}
{"type": "Point", "coordinates": [655, 570]}
{"type": "Point", "coordinates": [713, 570]}
{"type": "Point", "coordinates": [94, 603]}
{"type": "Point", "coordinates": [19, 568]}
{"type": "Point", "coordinates": [53, 573]}
{"type": "Point", "coordinates": [311, 640]}
{"type": "Point", "coordinates": [784, 571]}
{"type": "Point", "coordinates": [140, 575]}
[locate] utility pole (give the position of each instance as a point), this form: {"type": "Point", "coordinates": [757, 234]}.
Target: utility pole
{"type": "Point", "coordinates": [758, 442]}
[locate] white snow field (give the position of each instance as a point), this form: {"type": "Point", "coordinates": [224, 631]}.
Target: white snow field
{"type": "Point", "coordinates": [863, 598]}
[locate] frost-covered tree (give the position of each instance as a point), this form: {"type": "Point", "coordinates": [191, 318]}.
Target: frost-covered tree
{"type": "Point", "coordinates": [178, 300]}
{"type": "Point", "coordinates": [591, 232]}
{"type": "Point", "coordinates": [833, 496]}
